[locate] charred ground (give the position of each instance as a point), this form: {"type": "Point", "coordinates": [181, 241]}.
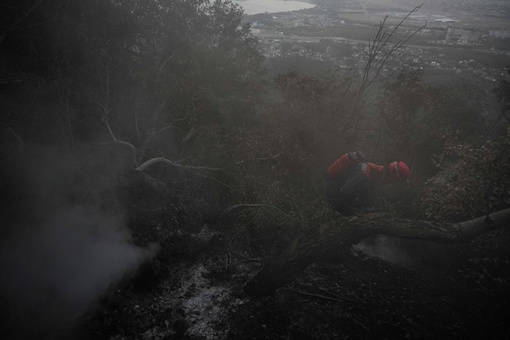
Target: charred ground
{"type": "Point", "coordinates": [458, 292]}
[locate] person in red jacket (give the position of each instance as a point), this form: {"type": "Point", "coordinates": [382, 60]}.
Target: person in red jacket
{"type": "Point", "coordinates": [351, 178]}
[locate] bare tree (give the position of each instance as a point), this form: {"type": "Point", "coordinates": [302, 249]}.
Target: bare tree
{"type": "Point", "coordinates": [381, 47]}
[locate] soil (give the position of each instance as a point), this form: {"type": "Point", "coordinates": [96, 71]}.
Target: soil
{"type": "Point", "coordinates": [459, 292]}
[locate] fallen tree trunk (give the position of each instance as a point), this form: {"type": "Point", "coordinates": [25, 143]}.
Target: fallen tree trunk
{"type": "Point", "coordinates": [335, 237]}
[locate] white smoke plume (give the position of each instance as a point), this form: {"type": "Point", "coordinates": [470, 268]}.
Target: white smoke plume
{"type": "Point", "coordinates": [386, 248]}
{"type": "Point", "coordinates": [56, 258]}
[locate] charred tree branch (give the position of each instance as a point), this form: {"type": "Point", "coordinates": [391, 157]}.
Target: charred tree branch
{"type": "Point", "coordinates": [337, 236]}
{"type": "Point", "coordinates": [152, 161]}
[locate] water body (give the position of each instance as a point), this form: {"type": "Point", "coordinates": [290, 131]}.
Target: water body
{"type": "Point", "coordinates": [272, 6]}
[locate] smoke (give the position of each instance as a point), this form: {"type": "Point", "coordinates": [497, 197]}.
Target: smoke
{"type": "Point", "coordinates": [57, 255]}
{"type": "Point", "coordinates": [428, 258]}
{"type": "Point", "coordinates": [386, 248]}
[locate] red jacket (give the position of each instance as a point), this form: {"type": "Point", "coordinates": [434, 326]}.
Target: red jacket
{"type": "Point", "coordinates": [374, 172]}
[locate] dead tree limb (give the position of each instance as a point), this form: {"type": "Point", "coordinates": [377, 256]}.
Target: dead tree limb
{"type": "Point", "coordinates": [166, 61]}
{"type": "Point", "coordinates": [106, 113]}
{"type": "Point", "coordinates": [155, 160]}
{"type": "Point", "coordinates": [380, 49]}
{"type": "Point", "coordinates": [337, 236]}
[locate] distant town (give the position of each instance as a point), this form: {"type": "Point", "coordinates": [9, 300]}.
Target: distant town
{"type": "Point", "coordinates": [336, 35]}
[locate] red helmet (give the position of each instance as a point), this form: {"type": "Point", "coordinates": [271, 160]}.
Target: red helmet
{"type": "Point", "coordinates": [399, 170]}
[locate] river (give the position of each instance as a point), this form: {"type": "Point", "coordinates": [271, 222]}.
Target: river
{"type": "Point", "coordinates": [272, 6]}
